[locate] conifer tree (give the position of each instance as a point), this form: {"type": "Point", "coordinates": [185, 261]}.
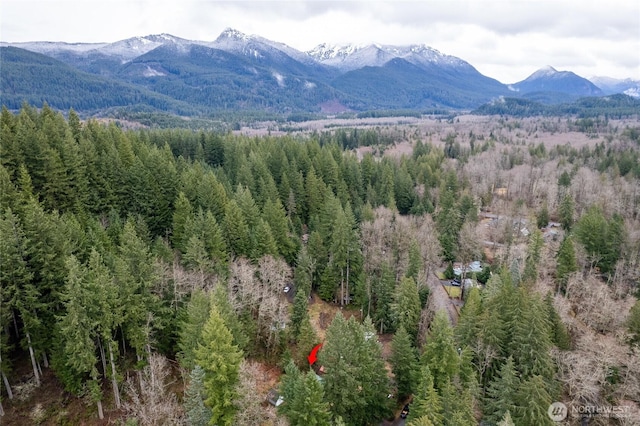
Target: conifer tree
{"type": "Point", "coordinates": [404, 363]}
{"type": "Point", "coordinates": [182, 214]}
{"type": "Point", "coordinates": [501, 393]}
{"type": "Point", "coordinates": [565, 211]}
{"type": "Point", "coordinates": [194, 317]}
{"type": "Point", "coordinates": [440, 353]}
{"type": "Point", "coordinates": [299, 313]}
{"type": "Point", "coordinates": [426, 402]}
{"type": "Point", "coordinates": [303, 395]}
{"type": "Point", "coordinates": [415, 261]}
{"type": "Point", "coordinates": [406, 307]}
{"type": "Point", "coordinates": [198, 414]}
{"type": "Point", "coordinates": [220, 360]}
{"type": "Point", "coordinates": [355, 382]}
{"type": "Point", "coordinates": [274, 214]}
{"type": "Point", "coordinates": [265, 244]}
{"type": "Point", "coordinates": [559, 334]}
{"type": "Point", "coordinates": [530, 274]}
{"type": "Point", "coordinates": [307, 340]}
{"type": "Point", "coordinates": [230, 318]}
{"type": "Point", "coordinates": [79, 327]}
{"type": "Point", "coordinates": [532, 403]}
{"type": "Point", "coordinates": [236, 230]}
{"type": "Point", "coordinates": [506, 420]}
{"type": "Point", "coordinates": [566, 263]}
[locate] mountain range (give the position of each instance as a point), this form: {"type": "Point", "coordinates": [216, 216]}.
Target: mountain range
{"type": "Point", "coordinates": [247, 72]}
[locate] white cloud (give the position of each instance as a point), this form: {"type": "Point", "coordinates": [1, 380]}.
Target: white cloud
{"type": "Point", "coordinates": [505, 39]}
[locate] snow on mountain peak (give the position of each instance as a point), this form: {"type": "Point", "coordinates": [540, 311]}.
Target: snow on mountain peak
{"type": "Point", "coordinates": [233, 34]}
{"type": "Point", "coordinates": [546, 71]}
{"type": "Point", "coordinates": [353, 56]}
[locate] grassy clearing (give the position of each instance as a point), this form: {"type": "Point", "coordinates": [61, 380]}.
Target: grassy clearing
{"type": "Point", "coordinates": [453, 292]}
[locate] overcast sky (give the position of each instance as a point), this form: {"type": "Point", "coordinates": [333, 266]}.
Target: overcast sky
{"type": "Point", "coordinates": [507, 39]}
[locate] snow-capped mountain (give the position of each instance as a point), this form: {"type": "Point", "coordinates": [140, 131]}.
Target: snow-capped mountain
{"type": "Point", "coordinates": [240, 71]}
{"type": "Point", "coordinates": [352, 56]}
{"type": "Point", "coordinates": [548, 79]}
{"type": "Point", "coordinates": [253, 46]}
{"type": "Point", "coordinates": [612, 86]}
{"type": "Point", "coordinates": [136, 46]}
{"type": "Point", "coordinates": [122, 50]}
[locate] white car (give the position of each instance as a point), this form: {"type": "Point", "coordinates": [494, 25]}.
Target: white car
{"type": "Point", "coordinates": [286, 289]}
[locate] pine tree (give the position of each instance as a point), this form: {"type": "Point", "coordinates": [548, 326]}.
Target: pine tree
{"type": "Point", "coordinates": [566, 263]}
{"type": "Point", "coordinates": [633, 324]}
{"type": "Point", "coordinates": [307, 340]}
{"type": "Point", "coordinates": [274, 214]}
{"type": "Point", "coordinates": [135, 276]}
{"type": "Point", "coordinates": [542, 217]}
{"type": "Point", "coordinates": [559, 334]}
{"type": "Point", "coordinates": [355, 384]}
{"type": "Point", "coordinates": [457, 405]}
{"type": "Point", "coordinates": [501, 393]}
{"type": "Point", "coordinates": [565, 212]}
{"type": "Point", "coordinates": [406, 307]}
{"type": "Point", "coordinates": [532, 403]}
{"type": "Point", "coordinates": [415, 261]}
{"type": "Point", "coordinates": [237, 230]}
{"type": "Point", "coordinates": [182, 214]}
{"type": "Point", "coordinates": [195, 316]}
{"type": "Point", "coordinates": [288, 384]}
{"type": "Point", "coordinates": [468, 331]}
{"type": "Point", "coordinates": [422, 421]}
{"type": "Point", "coordinates": [198, 414]}
{"type": "Point", "coordinates": [426, 402]}
{"type": "Point", "coordinates": [220, 360]}
{"type": "Point", "coordinates": [80, 327]}
{"type": "Point", "coordinates": [530, 274]}
{"type": "Point", "coordinates": [506, 420]}
{"type": "Point", "coordinates": [404, 363]}
{"type": "Point", "coordinates": [440, 353]}
{"type": "Point", "coordinates": [265, 244]}
{"type": "Point", "coordinates": [303, 273]}
{"type": "Point", "coordinates": [300, 306]}
{"type": "Point", "coordinates": [382, 296]}
{"type": "Point", "coordinates": [305, 405]}
{"type": "Point", "coordinates": [230, 318]}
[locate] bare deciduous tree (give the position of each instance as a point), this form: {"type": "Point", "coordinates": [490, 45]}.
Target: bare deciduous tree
{"type": "Point", "coordinates": [150, 402]}
{"type": "Point", "coordinates": [249, 400]}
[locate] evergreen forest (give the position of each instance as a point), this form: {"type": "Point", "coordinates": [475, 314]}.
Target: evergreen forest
{"type": "Point", "coordinates": [176, 276]}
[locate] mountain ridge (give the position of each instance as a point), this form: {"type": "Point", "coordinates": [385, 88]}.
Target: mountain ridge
{"type": "Point", "coordinates": [240, 71]}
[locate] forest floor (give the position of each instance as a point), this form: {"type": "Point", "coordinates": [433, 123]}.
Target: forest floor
{"type": "Point", "coordinates": [50, 404]}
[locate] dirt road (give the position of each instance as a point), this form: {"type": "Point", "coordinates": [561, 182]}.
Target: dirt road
{"type": "Point", "coordinates": [441, 300]}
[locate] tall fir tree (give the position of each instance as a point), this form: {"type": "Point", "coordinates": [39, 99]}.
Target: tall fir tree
{"type": "Point", "coordinates": [195, 315]}
{"type": "Point", "coordinates": [355, 382]}
{"type": "Point", "coordinates": [426, 401]}
{"type": "Point", "coordinates": [406, 307]}
{"type": "Point", "coordinates": [220, 359]}
{"type": "Point", "coordinates": [501, 393]}
{"type": "Point", "coordinates": [404, 363]}
{"type": "Point", "coordinates": [566, 263]}
{"type": "Point", "coordinates": [198, 414]}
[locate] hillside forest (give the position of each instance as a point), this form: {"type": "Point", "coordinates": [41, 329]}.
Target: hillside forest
{"type": "Point", "coordinates": [176, 276]}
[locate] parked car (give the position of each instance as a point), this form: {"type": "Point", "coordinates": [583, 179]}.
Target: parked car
{"type": "Point", "coordinates": [405, 411]}
{"type": "Point", "coordinates": [455, 283]}
{"type": "Point", "coordinates": [286, 289]}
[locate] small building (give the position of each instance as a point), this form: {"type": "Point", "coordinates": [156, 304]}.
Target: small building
{"type": "Point", "coordinates": [274, 398]}
{"type": "Point", "coordinates": [475, 266]}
